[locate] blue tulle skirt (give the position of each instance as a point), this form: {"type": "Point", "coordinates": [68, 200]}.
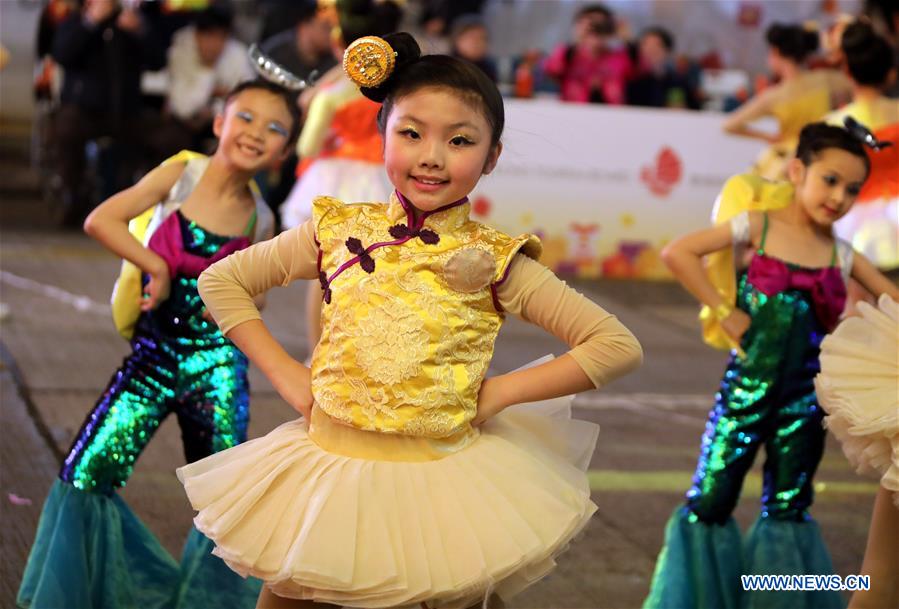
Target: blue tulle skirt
{"type": "Point", "coordinates": [701, 564]}
{"type": "Point", "coordinates": [92, 552]}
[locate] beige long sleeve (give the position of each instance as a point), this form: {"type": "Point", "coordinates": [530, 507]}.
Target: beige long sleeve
{"type": "Point", "coordinates": [600, 344]}
{"type": "Point", "coordinates": [228, 286]}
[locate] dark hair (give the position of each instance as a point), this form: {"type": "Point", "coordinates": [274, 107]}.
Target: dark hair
{"type": "Point", "coordinates": [869, 57]}
{"type": "Point", "coordinates": [594, 9]}
{"type": "Point", "coordinates": [817, 137]}
{"type": "Point", "coordinates": [360, 18]}
{"type": "Point", "coordinates": [662, 34]}
{"type": "Point", "coordinates": [792, 41]}
{"type": "Point", "coordinates": [289, 99]}
{"type": "Point", "coordinates": [214, 18]}
{"type": "Point", "coordinates": [414, 71]}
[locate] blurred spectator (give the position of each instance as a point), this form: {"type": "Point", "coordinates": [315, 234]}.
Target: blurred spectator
{"type": "Point", "coordinates": [304, 48]}
{"type": "Point", "coordinates": [597, 66]}
{"type": "Point", "coordinates": [280, 15]}
{"type": "Point", "coordinates": [205, 62]}
{"type": "Point", "coordinates": [437, 20]}
{"type": "Point", "coordinates": [471, 42]}
{"type": "Point", "coordinates": [800, 97]}
{"type": "Point", "coordinates": [103, 50]}
{"type": "Point", "coordinates": [659, 81]}
{"type": "Point", "coordinates": [53, 14]}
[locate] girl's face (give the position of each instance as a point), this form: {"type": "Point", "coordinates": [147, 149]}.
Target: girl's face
{"type": "Point", "coordinates": [253, 130]}
{"type": "Point", "coordinates": [436, 147]}
{"type": "Point", "coordinates": [828, 187]}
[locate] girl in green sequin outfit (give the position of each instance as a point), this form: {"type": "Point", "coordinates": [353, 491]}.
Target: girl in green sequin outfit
{"type": "Point", "coordinates": [788, 298]}
{"type": "Point", "coordinates": [90, 549]}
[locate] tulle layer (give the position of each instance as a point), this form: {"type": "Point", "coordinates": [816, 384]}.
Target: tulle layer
{"type": "Point", "coordinates": [485, 514]}
{"type": "Point", "coordinates": [858, 387]}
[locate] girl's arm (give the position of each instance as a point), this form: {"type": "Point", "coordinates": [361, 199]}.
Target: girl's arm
{"type": "Point", "coordinates": [259, 299]}
{"type": "Point", "coordinates": [321, 112]}
{"type": "Point", "coordinates": [881, 561]}
{"type": "Point", "coordinates": [228, 288]}
{"type": "Point", "coordinates": [108, 224]}
{"type": "Point", "coordinates": [602, 348]}
{"type": "Point", "coordinates": [684, 257]}
{"type": "Point", "coordinates": [737, 122]}
{"type": "Point", "coordinates": [872, 279]}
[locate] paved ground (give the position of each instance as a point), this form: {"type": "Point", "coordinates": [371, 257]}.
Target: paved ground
{"type": "Point", "coordinates": [59, 348]}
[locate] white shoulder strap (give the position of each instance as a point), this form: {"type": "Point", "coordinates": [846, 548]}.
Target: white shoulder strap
{"type": "Point", "coordinates": [845, 255]}
{"type": "Point", "coordinates": [739, 229]}
{"type": "Point", "coordinates": [185, 184]}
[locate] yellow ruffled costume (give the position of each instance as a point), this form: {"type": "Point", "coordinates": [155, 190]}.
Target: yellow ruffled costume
{"type": "Point", "coordinates": [745, 192]}
{"type": "Point", "coordinates": [391, 498]}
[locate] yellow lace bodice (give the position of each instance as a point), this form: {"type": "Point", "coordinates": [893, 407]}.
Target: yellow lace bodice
{"type": "Point", "coordinates": [410, 314]}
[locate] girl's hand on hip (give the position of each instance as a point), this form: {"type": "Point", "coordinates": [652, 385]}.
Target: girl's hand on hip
{"type": "Point", "coordinates": [156, 291]}
{"type": "Point", "coordinates": [736, 324]}
{"type": "Point", "coordinates": [491, 399]}
{"type": "Point", "coordinates": [294, 383]}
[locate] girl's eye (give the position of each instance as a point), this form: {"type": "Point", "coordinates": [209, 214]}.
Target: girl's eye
{"type": "Point", "coordinates": [276, 128]}
{"type": "Point", "coordinates": [461, 140]}
{"type": "Point", "coordinates": [854, 190]}
{"type": "Point", "coordinates": [410, 133]}
{"type": "Point", "coordinates": [245, 116]}
{"type": "Point", "coordinates": [830, 180]}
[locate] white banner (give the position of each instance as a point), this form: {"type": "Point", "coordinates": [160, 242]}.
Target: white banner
{"type": "Point", "coordinates": [606, 188]}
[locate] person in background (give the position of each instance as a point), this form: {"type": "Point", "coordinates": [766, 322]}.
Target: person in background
{"type": "Point", "coordinates": [597, 66]}
{"type": "Point", "coordinates": [471, 42]}
{"type": "Point", "coordinates": [205, 62]}
{"type": "Point", "coordinates": [658, 82]}
{"type": "Point", "coordinates": [800, 97]}
{"type": "Point", "coordinates": [304, 50]}
{"type": "Point", "coordinates": [437, 19]}
{"type": "Point", "coordinates": [103, 49]}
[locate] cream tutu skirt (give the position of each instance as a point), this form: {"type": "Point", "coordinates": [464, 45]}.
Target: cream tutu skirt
{"type": "Point", "coordinates": [859, 389]}
{"type": "Point", "coordinates": [364, 519]}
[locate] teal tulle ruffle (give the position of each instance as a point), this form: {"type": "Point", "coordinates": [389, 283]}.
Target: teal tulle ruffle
{"type": "Point", "coordinates": [699, 566]}
{"type": "Point", "coordinates": [92, 552]}
{"type": "Point", "coordinates": [779, 547]}
{"type": "Point", "coordinates": [206, 581]}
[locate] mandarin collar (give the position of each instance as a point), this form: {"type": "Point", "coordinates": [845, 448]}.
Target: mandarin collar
{"type": "Point", "coordinates": [441, 220]}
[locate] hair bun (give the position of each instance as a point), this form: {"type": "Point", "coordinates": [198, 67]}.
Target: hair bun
{"type": "Point", "coordinates": [373, 63]}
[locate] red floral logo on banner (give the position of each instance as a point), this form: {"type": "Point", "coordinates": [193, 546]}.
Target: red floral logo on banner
{"type": "Point", "coordinates": [749, 15]}
{"type": "Point", "coordinates": [662, 177]}
{"type": "Point", "coordinates": [481, 207]}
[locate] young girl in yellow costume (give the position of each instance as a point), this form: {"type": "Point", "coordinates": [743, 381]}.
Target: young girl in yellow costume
{"type": "Point", "coordinates": [408, 482]}
{"type": "Point", "coordinates": [801, 96]}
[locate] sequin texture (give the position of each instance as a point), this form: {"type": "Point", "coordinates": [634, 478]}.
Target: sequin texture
{"type": "Point", "coordinates": [180, 363]}
{"type": "Point", "coordinates": [765, 398]}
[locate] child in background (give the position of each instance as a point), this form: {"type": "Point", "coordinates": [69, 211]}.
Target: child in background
{"type": "Point", "coordinates": [90, 549]}
{"type": "Point", "coordinates": [788, 297]}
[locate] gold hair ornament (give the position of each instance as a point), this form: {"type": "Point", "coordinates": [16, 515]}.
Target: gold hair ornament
{"type": "Point", "coordinates": [369, 61]}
